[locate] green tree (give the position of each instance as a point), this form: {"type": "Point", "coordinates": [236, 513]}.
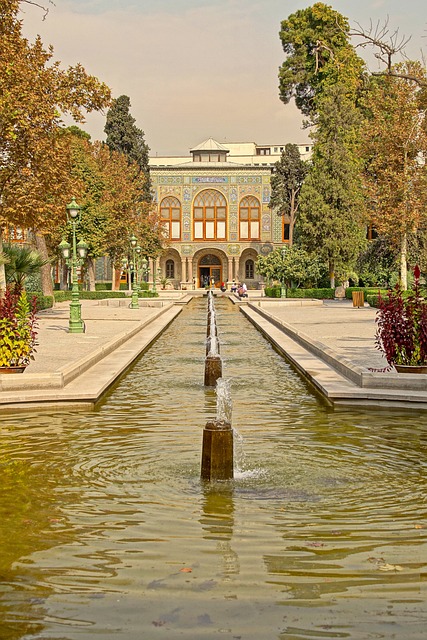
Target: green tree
{"type": "Point", "coordinates": [21, 262]}
{"type": "Point", "coordinates": [125, 137]}
{"type": "Point", "coordinates": [331, 222]}
{"type": "Point", "coordinates": [292, 266]}
{"type": "Point", "coordinates": [286, 183]}
{"type": "Point", "coordinates": [318, 54]}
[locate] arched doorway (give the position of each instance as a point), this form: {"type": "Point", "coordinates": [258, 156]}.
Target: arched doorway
{"type": "Point", "coordinates": [210, 266]}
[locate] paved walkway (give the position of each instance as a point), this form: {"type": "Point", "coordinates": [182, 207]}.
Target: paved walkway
{"type": "Point", "coordinates": [331, 343]}
{"type": "Point", "coordinates": [348, 330]}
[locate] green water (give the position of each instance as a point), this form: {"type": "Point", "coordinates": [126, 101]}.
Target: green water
{"type": "Point", "coordinates": [107, 532]}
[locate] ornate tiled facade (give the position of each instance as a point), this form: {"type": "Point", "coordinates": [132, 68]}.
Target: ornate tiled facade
{"type": "Point", "coordinates": [217, 215]}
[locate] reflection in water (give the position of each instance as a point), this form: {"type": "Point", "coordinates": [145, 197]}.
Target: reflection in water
{"type": "Point", "coordinates": [107, 532]}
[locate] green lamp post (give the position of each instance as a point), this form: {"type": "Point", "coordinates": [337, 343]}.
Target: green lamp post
{"type": "Point", "coordinates": [133, 241]}
{"type": "Point", "coordinates": [138, 252]}
{"type": "Point", "coordinates": [282, 282]}
{"type": "Point", "coordinates": [154, 275]}
{"type": "Point", "coordinates": [74, 256]}
{"type": "Point", "coordinates": [144, 267]}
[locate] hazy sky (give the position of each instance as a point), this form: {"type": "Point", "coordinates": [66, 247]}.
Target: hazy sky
{"type": "Point", "coordinates": [196, 69]}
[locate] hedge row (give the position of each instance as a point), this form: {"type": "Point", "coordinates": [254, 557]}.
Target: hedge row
{"type": "Point", "coordinates": [318, 294]}
{"type": "Point", "coordinates": [61, 296]}
{"type": "Point", "coordinates": [42, 301]}
{"type": "Point", "coordinates": [368, 291]}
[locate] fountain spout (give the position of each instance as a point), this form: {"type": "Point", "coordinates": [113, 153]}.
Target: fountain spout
{"type": "Point", "coordinates": [217, 447]}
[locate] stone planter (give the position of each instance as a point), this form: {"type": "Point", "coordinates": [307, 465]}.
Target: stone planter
{"type": "Point", "coordinates": [408, 368]}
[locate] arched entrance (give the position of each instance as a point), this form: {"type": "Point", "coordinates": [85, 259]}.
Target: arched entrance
{"type": "Point", "coordinates": [210, 266]}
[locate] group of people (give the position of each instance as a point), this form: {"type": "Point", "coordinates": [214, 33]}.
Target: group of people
{"type": "Point", "coordinates": [241, 289]}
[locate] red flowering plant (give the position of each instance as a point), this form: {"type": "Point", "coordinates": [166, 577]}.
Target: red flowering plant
{"type": "Point", "coordinates": [18, 329]}
{"type": "Point", "coordinates": [402, 326]}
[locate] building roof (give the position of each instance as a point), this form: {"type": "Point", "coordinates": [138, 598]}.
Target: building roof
{"type": "Point", "coordinates": [209, 145]}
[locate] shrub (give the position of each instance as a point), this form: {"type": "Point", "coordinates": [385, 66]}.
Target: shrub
{"type": "Point", "coordinates": [402, 326]}
{"type": "Point", "coordinates": [318, 294]}
{"type": "Point", "coordinates": [18, 329]}
{"type": "Point", "coordinates": [61, 296]}
{"type": "Point", "coordinates": [42, 301]}
{"type": "Point", "coordinates": [272, 292]}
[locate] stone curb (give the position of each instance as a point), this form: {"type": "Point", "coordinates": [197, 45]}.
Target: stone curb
{"type": "Point", "coordinates": [360, 376]}
{"type": "Point", "coordinates": [59, 379]}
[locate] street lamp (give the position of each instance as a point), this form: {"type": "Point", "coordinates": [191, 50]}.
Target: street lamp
{"type": "Point", "coordinates": [138, 268]}
{"type": "Point", "coordinates": [144, 267]}
{"type": "Point", "coordinates": [154, 276]}
{"type": "Point", "coordinates": [133, 241]}
{"type": "Point", "coordinates": [282, 283]}
{"type": "Point", "coordinates": [74, 256]}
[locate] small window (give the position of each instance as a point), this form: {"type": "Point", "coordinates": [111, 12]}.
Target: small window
{"type": "Point", "coordinates": [170, 269]}
{"type": "Point", "coordinates": [307, 149]}
{"type": "Point", "coordinates": [286, 231]}
{"type": "Point", "coordinates": [249, 269]}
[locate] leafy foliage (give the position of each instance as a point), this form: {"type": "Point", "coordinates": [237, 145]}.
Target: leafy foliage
{"type": "Point", "coordinates": [286, 183]}
{"type": "Point", "coordinates": [402, 326]}
{"type": "Point", "coordinates": [21, 263]}
{"type": "Point", "coordinates": [331, 218]}
{"type": "Point", "coordinates": [318, 55]}
{"type": "Point", "coordinates": [18, 329]}
{"type": "Point", "coordinates": [125, 137]}
{"type": "Point", "coordinates": [34, 94]}
{"type": "Point", "coordinates": [394, 139]}
{"type": "Point", "coordinates": [291, 265]}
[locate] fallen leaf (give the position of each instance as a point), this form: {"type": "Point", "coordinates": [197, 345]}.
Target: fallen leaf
{"type": "Point", "coordinates": [186, 570]}
{"type": "Point", "coordinates": [390, 567]}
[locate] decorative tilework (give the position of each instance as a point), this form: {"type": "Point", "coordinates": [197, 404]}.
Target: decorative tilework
{"type": "Point", "coordinates": [233, 249]}
{"type": "Point", "coordinates": [170, 179]}
{"type": "Point", "coordinates": [266, 194]}
{"type": "Point", "coordinates": [209, 179]}
{"type": "Point", "coordinates": [266, 222]}
{"type": "Point", "coordinates": [249, 179]}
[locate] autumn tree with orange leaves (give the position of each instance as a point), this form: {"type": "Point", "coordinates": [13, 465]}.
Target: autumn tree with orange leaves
{"type": "Point", "coordinates": [394, 138]}
{"type": "Point", "coordinates": [35, 93]}
{"type": "Point", "coordinates": [108, 188]}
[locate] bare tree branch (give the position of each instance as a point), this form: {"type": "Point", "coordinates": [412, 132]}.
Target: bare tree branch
{"type": "Point", "coordinates": [44, 8]}
{"type": "Point", "coordinates": [386, 44]}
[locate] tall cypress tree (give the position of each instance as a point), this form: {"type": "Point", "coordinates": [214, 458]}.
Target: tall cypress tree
{"type": "Point", "coordinates": [332, 221]}
{"type": "Point", "coordinates": [124, 136]}
{"type": "Point", "coordinates": [286, 183]}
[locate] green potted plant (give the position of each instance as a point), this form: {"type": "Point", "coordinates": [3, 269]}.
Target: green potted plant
{"type": "Point", "coordinates": [18, 331]}
{"type": "Point", "coordinates": [402, 329]}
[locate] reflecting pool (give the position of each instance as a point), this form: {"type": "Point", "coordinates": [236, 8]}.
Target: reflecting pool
{"type": "Point", "coordinates": [106, 530]}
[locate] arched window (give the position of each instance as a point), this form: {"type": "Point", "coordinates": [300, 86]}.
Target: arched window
{"type": "Point", "coordinates": [249, 269]}
{"type": "Point", "coordinates": [249, 218]}
{"type": "Point", "coordinates": [170, 216]}
{"type": "Point", "coordinates": [210, 216]}
{"type": "Point", "coordinates": [170, 269]}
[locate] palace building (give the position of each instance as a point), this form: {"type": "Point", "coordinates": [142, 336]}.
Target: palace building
{"type": "Point", "coordinates": [214, 205]}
